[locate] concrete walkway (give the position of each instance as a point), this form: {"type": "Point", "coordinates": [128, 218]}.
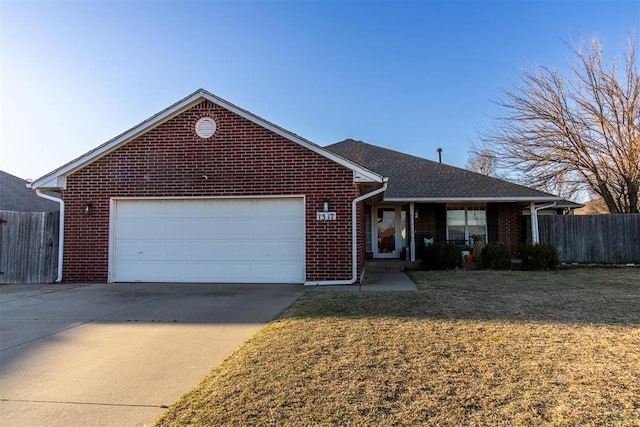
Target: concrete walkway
{"type": "Point", "coordinates": [377, 281]}
{"type": "Point", "coordinates": [119, 354]}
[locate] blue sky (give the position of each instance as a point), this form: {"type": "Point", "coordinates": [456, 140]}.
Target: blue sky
{"type": "Point", "coordinates": [411, 76]}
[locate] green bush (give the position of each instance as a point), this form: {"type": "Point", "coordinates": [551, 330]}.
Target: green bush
{"type": "Point", "coordinates": [496, 256]}
{"type": "Point", "coordinates": [441, 256]}
{"type": "Point", "coordinates": [543, 256]}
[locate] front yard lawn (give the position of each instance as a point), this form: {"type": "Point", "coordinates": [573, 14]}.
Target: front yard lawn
{"type": "Point", "coordinates": [468, 348]}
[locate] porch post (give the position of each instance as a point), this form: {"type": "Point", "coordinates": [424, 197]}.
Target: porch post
{"type": "Point", "coordinates": [535, 237]}
{"type": "Point", "coordinates": [412, 230]}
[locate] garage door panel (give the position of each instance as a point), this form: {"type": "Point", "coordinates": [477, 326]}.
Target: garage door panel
{"type": "Point", "coordinates": [208, 228]}
{"type": "Point", "coordinates": [209, 240]}
{"type": "Point", "coordinates": [265, 251]}
{"type": "Point", "coordinates": [176, 230]}
{"type": "Point", "coordinates": [225, 272]}
{"type": "Point", "coordinates": [203, 250]}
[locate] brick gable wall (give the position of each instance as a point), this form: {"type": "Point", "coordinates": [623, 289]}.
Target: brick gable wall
{"type": "Point", "coordinates": [241, 159]}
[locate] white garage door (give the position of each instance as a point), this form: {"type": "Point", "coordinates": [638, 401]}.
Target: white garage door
{"type": "Point", "coordinates": [208, 240]}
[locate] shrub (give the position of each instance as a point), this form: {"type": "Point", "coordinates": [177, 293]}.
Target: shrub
{"type": "Point", "coordinates": [495, 256]}
{"type": "Point", "coordinates": [543, 256]}
{"type": "Point", "coordinates": [441, 256]}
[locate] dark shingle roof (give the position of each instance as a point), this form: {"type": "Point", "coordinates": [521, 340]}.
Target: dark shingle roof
{"type": "Point", "coordinates": [15, 196]}
{"type": "Point", "coordinates": [415, 178]}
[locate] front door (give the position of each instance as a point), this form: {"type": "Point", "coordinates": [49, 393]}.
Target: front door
{"type": "Point", "coordinates": [386, 232]}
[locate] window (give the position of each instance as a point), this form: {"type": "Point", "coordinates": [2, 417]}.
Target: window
{"type": "Point", "coordinates": [465, 222]}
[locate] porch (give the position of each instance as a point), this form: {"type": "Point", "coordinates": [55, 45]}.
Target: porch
{"type": "Point", "coordinates": [389, 265]}
{"type": "Point", "coordinates": [397, 231]}
{"type": "Point", "coordinates": [386, 265]}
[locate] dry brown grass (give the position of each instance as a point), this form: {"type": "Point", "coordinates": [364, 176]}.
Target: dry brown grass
{"type": "Point", "coordinates": [469, 348]}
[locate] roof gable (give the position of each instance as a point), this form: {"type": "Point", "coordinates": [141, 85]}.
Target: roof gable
{"type": "Point", "coordinates": [57, 178]}
{"type": "Point", "coordinates": [413, 178]}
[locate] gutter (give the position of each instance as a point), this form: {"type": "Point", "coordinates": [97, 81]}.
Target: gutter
{"type": "Point", "coordinates": [472, 199]}
{"type": "Point", "coordinates": [354, 240]}
{"type": "Point", "coordinates": [60, 231]}
{"type": "Point", "coordinates": [535, 231]}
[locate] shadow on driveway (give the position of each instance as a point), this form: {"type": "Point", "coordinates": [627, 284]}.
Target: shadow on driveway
{"type": "Point", "coordinates": [118, 354]}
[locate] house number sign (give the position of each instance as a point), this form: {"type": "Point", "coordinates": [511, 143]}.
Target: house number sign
{"type": "Point", "coordinates": [325, 216]}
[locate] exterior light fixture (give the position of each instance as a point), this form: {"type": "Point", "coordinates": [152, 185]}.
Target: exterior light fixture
{"type": "Point", "coordinates": [88, 208]}
{"type": "Point", "coordinates": [325, 205]}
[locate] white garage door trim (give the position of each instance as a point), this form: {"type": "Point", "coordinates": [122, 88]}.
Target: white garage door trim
{"type": "Point", "coordinates": [132, 258]}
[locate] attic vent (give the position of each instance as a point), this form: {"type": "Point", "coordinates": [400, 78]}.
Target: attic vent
{"type": "Point", "coordinates": [205, 127]}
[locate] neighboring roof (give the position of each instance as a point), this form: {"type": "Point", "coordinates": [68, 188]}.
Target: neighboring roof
{"type": "Point", "coordinates": [416, 179]}
{"type": "Point", "coordinates": [568, 204]}
{"type": "Point", "coordinates": [595, 206]}
{"type": "Point", "coordinates": [16, 196]}
{"type": "Point", "coordinates": [57, 178]}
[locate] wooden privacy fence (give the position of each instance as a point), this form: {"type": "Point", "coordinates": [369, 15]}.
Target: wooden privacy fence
{"type": "Point", "coordinates": [28, 247]}
{"type": "Point", "coordinates": [593, 238]}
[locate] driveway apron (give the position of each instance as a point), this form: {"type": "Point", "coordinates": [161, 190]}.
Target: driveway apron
{"type": "Point", "coordinates": [119, 354]}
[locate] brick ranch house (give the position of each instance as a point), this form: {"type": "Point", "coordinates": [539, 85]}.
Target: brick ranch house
{"type": "Point", "coordinates": [205, 191]}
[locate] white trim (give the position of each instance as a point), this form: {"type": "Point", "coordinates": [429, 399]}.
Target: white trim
{"type": "Point", "coordinates": [113, 215]}
{"type": "Point", "coordinates": [535, 238]}
{"type": "Point", "coordinates": [60, 230]}
{"type": "Point", "coordinates": [466, 209]}
{"type": "Point", "coordinates": [113, 206]}
{"type": "Point", "coordinates": [360, 173]}
{"type": "Point", "coordinates": [471, 199]}
{"type": "Point", "coordinates": [115, 143]}
{"type": "Point", "coordinates": [397, 236]}
{"type": "Point", "coordinates": [263, 196]}
{"type": "Point", "coordinates": [56, 182]}
{"type": "Point", "coordinates": [412, 230]}
{"type": "Point", "coordinates": [535, 230]}
{"type": "Point", "coordinates": [52, 179]}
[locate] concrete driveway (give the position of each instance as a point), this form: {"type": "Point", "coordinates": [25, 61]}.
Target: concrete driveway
{"type": "Point", "coordinates": [119, 354]}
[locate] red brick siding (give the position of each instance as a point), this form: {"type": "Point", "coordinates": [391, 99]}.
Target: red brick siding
{"type": "Point", "coordinates": [425, 225]}
{"type": "Point", "coordinates": [241, 159]}
{"type": "Point", "coordinates": [510, 227]}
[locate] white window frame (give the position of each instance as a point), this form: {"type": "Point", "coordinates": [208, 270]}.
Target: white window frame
{"type": "Point", "coordinates": [466, 209]}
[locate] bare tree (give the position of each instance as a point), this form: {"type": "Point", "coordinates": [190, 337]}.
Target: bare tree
{"type": "Point", "coordinates": [579, 132]}
{"type": "Point", "coordinates": [482, 161]}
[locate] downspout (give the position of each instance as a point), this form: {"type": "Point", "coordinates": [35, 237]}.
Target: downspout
{"type": "Point", "coordinates": [354, 240]}
{"type": "Point", "coordinates": [535, 231]}
{"type": "Point", "coordinates": [60, 230]}
{"type": "Point", "coordinates": [412, 230]}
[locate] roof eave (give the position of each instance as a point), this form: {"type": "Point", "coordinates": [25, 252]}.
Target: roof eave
{"type": "Point", "coordinates": [361, 174]}
{"type": "Point", "coordinates": [156, 120]}
{"type": "Point", "coordinates": [473, 199]}
{"type": "Point", "coordinates": [56, 180]}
